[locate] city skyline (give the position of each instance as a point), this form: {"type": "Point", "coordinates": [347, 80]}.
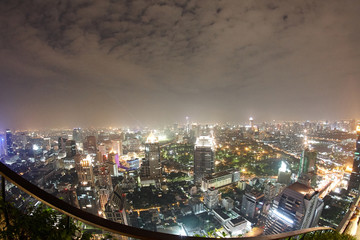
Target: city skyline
{"type": "Point", "coordinates": [141, 64]}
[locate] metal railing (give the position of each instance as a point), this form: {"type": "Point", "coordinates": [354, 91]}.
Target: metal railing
{"type": "Point", "coordinates": [115, 227]}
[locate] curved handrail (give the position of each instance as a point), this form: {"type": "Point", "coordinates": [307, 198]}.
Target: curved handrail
{"type": "Point", "coordinates": [115, 227]}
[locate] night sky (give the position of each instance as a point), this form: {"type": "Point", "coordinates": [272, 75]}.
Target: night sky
{"type": "Point", "coordinates": [137, 63]}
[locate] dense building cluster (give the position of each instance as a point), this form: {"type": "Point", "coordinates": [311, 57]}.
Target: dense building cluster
{"type": "Point", "coordinates": [195, 178]}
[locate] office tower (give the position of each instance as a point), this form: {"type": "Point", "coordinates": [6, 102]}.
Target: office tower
{"type": "Point", "coordinates": [117, 147]}
{"type": "Point", "coordinates": [85, 171]}
{"type": "Point", "coordinates": [307, 162]}
{"type": "Point", "coordinates": [211, 198]}
{"type": "Point", "coordinates": [23, 140]}
{"type": "Point", "coordinates": [104, 194]}
{"type": "Point", "coordinates": [251, 122]}
{"type": "Point", "coordinates": [70, 147]}
{"type": "Point", "coordinates": [9, 143]}
{"type": "Point", "coordinates": [297, 207]}
{"type": "Point", "coordinates": [62, 143]}
{"type": "Point", "coordinates": [77, 135]}
{"type": "Point", "coordinates": [2, 146]}
{"type": "Point", "coordinates": [284, 175]}
{"type": "Point", "coordinates": [271, 190]}
{"type": "Point", "coordinates": [90, 144]}
{"type": "Point", "coordinates": [251, 203]}
{"type": "Point", "coordinates": [187, 128]}
{"type": "Point", "coordinates": [104, 176]}
{"type": "Point", "coordinates": [151, 165]}
{"type": "Point", "coordinates": [354, 182]}
{"type": "Point", "coordinates": [203, 157]}
{"type": "Point", "coordinates": [115, 209]}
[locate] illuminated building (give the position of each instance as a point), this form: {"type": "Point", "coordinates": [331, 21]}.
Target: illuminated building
{"type": "Point", "coordinates": [115, 209]}
{"type": "Point", "coordinates": [117, 147]}
{"type": "Point", "coordinates": [203, 157]}
{"type": "Point", "coordinates": [220, 179]}
{"type": "Point", "coordinates": [284, 175]}
{"type": "Point", "coordinates": [104, 176]}
{"type": "Point", "coordinates": [90, 144]}
{"type": "Point", "coordinates": [251, 121]}
{"type": "Point", "coordinates": [354, 182]}
{"type": "Point", "coordinates": [250, 205]}
{"type": "Point", "coordinates": [104, 195]}
{"type": "Point", "coordinates": [297, 207]}
{"type": "Point", "coordinates": [61, 143]}
{"type": "Point", "coordinates": [2, 146]}
{"type": "Point", "coordinates": [151, 165]}
{"type": "Point", "coordinates": [9, 143]}
{"type": "Point", "coordinates": [271, 190]}
{"type": "Point", "coordinates": [187, 126]}
{"type": "Point", "coordinates": [84, 170]}
{"type": "Point", "coordinates": [211, 198]}
{"type": "Point", "coordinates": [307, 162]}
{"type": "Point", "coordinates": [77, 135]}
{"type": "Point", "coordinates": [70, 147]}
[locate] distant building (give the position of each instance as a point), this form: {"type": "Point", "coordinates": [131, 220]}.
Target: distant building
{"type": "Point", "coordinates": [90, 144]}
{"type": "Point", "coordinates": [70, 148]}
{"type": "Point", "coordinates": [84, 170]}
{"type": "Point", "coordinates": [117, 147]}
{"type": "Point", "coordinates": [211, 198]}
{"type": "Point", "coordinates": [9, 143]}
{"type": "Point", "coordinates": [2, 146]}
{"type": "Point", "coordinates": [76, 136]}
{"type": "Point", "coordinates": [284, 175]}
{"type": "Point", "coordinates": [354, 183]}
{"type": "Point", "coordinates": [151, 165]}
{"type": "Point", "coordinates": [203, 158]}
{"type": "Point", "coordinates": [297, 207]}
{"type": "Point", "coordinates": [307, 162]}
{"type": "Point", "coordinates": [220, 179]}
{"type": "Point", "coordinates": [251, 203]}
{"type": "Point", "coordinates": [62, 143]}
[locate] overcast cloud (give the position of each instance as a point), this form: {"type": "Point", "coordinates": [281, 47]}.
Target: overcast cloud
{"type": "Point", "coordinates": [107, 62]}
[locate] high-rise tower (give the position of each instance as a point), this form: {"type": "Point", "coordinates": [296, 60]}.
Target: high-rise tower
{"type": "Point", "coordinates": [354, 183]}
{"type": "Point", "coordinates": [77, 135]}
{"type": "Point", "coordinates": [203, 157]}
{"type": "Point", "coordinates": [9, 143]}
{"type": "Point", "coordinates": [297, 207]}
{"type": "Point", "coordinates": [151, 166]}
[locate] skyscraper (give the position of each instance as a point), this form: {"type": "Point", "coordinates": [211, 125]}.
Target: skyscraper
{"type": "Point", "coordinates": [9, 143]}
{"type": "Point", "coordinates": [354, 183]}
{"type": "Point", "coordinates": [61, 143]}
{"type": "Point", "coordinates": [90, 144]}
{"type": "Point", "coordinates": [251, 122]}
{"type": "Point", "coordinates": [77, 135]}
{"type": "Point", "coordinates": [70, 147]}
{"type": "Point", "coordinates": [2, 146]}
{"type": "Point", "coordinates": [117, 147]}
{"type": "Point", "coordinates": [307, 162]}
{"type": "Point", "coordinates": [84, 170]}
{"type": "Point", "coordinates": [297, 207]}
{"type": "Point", "coordinates": [151, 166]}
{"type": "Point", "coordinates": [203, 157]}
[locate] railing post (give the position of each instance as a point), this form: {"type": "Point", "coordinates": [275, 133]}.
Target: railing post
{"type": "Point", "coordinates": [67, 223]}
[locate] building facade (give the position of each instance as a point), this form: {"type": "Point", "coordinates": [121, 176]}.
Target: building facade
{"type": "Point", "coordinates": [297, 207]}
{"type": "Point", "coordinates": [203, 158]}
